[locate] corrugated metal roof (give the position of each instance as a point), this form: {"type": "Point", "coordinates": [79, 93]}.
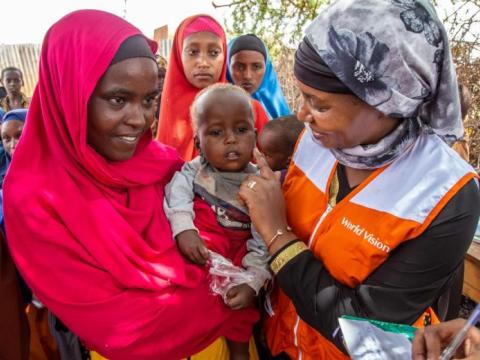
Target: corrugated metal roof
{"type": "Point", "coordinates": [25, 57]}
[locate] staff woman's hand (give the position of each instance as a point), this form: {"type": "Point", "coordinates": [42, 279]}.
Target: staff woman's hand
{"type": "Point", "coordinates": [264, 198]}
{"type": "Point", "coordinates": [431, 341]}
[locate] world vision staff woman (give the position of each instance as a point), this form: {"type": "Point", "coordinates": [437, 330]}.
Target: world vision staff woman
{"type": "Point", "coordinates": [377, 211]}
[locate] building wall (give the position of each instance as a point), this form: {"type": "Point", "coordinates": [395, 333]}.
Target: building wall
{"type": "Point", "coordinates": [26, 57]}
{"type": "Point", "coordinates": [164, 47]}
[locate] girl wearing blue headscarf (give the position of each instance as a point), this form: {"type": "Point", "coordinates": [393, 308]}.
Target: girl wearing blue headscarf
{"type": "Point", "coordinates": [3, 156]}
{"type": "Point", "coordinates": [12, 127]}
{"type": "Point", "coordinates": [42, 345]}
{"type": "Point", "coordinates": [250, 67]}
{"type": "Point", "coordinates": [14, 338]}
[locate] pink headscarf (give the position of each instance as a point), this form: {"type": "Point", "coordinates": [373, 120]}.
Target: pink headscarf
{"type": "Point", "coordinates": [89, 236]}
{"type": "Point", "coordinates": [174, 124]}
{"type": "Point", "coordinates": [203, 24]}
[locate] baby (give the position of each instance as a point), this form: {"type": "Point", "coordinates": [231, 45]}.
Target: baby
{"type": "Point", "coordinates": [201, 201]}
{"type": "Point", "coordinates": [277, 141]}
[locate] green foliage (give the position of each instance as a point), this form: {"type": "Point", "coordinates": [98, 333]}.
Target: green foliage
{"type": "Point", "coordinates": [280, 23]}
{"type": "Point", "coordinates": [277, 22]}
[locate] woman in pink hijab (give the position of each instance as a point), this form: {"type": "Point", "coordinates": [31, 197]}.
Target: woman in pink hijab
{"type": "Point", "coordinates": [83, 201]}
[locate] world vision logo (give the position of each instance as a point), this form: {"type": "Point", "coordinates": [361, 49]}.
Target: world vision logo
{"type": "Point", "coordinates": [365, 235]}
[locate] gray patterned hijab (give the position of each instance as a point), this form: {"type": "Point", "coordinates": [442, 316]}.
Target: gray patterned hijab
{"type": "Point", "coordinates": [394, 55]}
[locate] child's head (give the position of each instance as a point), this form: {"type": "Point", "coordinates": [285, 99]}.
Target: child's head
{"type": "Point", "coordinates": [162, 71]}
{"type": "Point", "coordinates": [277, 140]}
{"type": "Point", "coordinates": [12, 79]}
{"type": "Point", "coordinates": [224, 126]}
{"type": "Point", "coordinates": [12, 127]}
{"type": "Point", "coordinates": [203, 52]}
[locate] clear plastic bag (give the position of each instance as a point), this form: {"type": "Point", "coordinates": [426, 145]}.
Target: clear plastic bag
{"type": "Point", "coordinates": [224, 275]}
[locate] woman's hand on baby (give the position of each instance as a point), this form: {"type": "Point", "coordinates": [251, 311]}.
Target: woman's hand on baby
{"type": "Point", "coordinates": [240, 297]}
{"type": "Point", "coordinates": [192, 247]}
{"type": "Point", "coordinates": [264, 198]}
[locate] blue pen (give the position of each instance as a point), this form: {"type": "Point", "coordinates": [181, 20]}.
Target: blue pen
{"type": "Point", "coordinates": [450, 350]}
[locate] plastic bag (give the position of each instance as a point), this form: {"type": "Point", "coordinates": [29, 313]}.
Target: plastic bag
{"type": "Point", "coordinates": [224, 275]}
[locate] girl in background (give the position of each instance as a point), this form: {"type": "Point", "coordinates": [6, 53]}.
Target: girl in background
{"type": "Point", "coordinates": [11, 130]}
{"type": "Point", "coordinates": [197, 60]}
{"type": "Point", "coordinates": [250, 66]}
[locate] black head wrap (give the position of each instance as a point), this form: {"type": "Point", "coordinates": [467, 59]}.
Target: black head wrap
{"type": "Point", "coordinates": [133, 47]}
{"type": "Point", "coordinates": [248, 42]}
{"type": "Point", "coordinates": [311, 70]}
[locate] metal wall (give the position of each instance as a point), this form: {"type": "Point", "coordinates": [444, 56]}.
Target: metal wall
{"type": "Point", "coordinates": [26, 57]}
{"type": "Point", "coordinates": [164, 47]}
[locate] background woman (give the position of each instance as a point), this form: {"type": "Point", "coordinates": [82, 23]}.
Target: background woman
{"type": "Point", "coordinates": [197, 60]}
{"type": "Point", "coordinates": [250, 66]}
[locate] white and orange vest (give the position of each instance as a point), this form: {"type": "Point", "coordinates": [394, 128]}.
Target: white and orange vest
{"type": "Point", "coordinates": [394, 204]}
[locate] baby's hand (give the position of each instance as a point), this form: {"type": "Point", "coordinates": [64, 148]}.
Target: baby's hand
{"type": "Point", "coordinates": [192, 247]}
{"type": "Point", "coordinates": [240, 296]}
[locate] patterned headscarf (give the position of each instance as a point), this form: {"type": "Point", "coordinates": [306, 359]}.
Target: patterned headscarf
{"type": "Point", "coordinates": [394, 55]}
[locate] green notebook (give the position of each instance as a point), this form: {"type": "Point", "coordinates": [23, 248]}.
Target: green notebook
{"type": "Point", "coordinates": [407, 330]}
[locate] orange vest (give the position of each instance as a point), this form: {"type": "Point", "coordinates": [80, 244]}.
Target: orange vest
{"type": "Point", "coordinates": [394, 204]}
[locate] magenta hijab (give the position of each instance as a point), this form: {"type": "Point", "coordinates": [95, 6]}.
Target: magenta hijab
{"type": "Point", "coordinates": [90, 236]}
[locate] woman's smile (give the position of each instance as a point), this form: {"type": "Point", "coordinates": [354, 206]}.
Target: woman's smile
{"type": "Point", "coordinates": [129, 139]}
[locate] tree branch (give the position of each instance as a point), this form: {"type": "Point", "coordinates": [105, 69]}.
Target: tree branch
{"type": "Point", "coordinates": [226, 5]}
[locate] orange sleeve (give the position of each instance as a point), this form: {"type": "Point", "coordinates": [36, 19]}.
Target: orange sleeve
{"type": "Point", "coordinates": [462, 148]}
{"type": "Point", "coordinates": [260, 114]}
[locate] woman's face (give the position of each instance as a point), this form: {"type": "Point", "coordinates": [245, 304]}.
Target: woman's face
{"type": "Point", "coordinates": [248, 68]}
{"type": "Point", "coordinates": [202, 59]}
{"type": "Point", "coordinates": [122, 108]}
{"type": "Point", "coordinates": [11, 132]}
{"type": "Point", "coordinates": [342, 121]}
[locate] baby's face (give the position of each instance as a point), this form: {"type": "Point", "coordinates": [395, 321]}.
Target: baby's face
{"type": "Point", "coordinates": [226, 133]}
{"type": "Point", "coordinates": [271, 145]}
